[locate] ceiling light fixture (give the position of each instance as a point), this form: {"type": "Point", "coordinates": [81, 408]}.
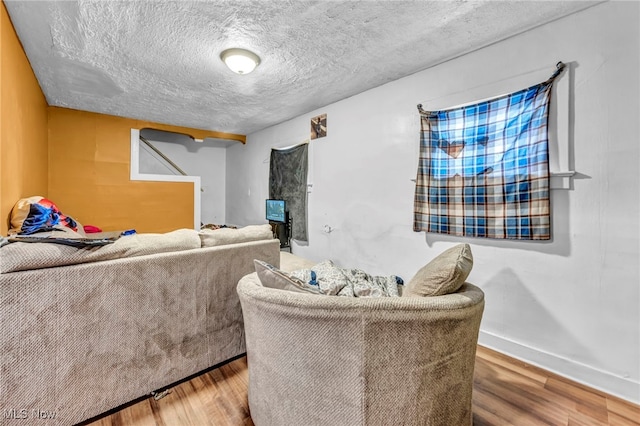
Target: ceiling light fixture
{"type": "Point", "coordinates": [240, 61]}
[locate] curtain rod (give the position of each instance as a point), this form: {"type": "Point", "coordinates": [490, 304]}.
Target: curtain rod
{"type": "Point", "coordinates": [560, 66]}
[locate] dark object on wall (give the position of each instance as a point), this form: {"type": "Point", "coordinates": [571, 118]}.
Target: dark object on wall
{"type": "Point", "coordinates": [319, 126]}
{"type": "Point", "coordinates": [288, 181]}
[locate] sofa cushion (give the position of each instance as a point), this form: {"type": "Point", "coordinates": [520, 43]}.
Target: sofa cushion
{"type": "Point", "coordinates": [25, 256]}
{"type": "Point", "coordinates": [272, 277]}
{"type": "Point", "coordinates": [444, 274]}
{"type": "Point", "coordinates": [223, 236]}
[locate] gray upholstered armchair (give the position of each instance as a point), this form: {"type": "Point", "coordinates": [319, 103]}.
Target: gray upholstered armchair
{"type": "Point", "coordinates": [328, 360]}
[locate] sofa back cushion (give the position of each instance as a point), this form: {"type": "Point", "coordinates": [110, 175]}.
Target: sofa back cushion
{"type": "Point", "coordinates": [223, 236]}
{"type": "Point", "coordinates": [25, 256]}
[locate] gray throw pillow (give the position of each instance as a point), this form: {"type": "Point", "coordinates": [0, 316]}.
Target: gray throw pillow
{"type": "Point", "coordinates": [443, 275]}
{"type": "Point", "coordinates": [272, 277]}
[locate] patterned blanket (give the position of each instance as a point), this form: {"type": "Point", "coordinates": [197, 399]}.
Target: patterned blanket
{"type": "Point", "coordinates": [335, 281]}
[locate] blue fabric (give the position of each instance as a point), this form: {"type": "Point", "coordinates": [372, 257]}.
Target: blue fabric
{"type": "Point", "coordinates": [491, 134]}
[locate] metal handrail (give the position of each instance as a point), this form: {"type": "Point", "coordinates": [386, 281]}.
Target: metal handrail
{"type": "Point", "coordinates": [164, 157]}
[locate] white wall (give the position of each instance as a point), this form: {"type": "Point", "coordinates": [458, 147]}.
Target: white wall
{"type": "Point", "coordinates": [571, 305]}
{"type": "Point", "coordinates": [152, 163]}
{"type": "Point", "coordinates": [196, 159]}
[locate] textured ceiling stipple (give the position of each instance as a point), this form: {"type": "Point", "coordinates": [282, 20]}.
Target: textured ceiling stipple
{"type": "Point", "coordinates": [159, 60]}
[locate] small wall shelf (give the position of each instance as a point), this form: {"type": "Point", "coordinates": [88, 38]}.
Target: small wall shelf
{"type": "Point", "coordinates": [561, 180]}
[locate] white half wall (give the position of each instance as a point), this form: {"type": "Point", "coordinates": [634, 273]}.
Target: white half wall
{"type": "Point", "coordinates": [204, 159]}
{"type": "Point", "coordinates": [134, 174]}
{"type": "Point", "coordinates": [570, 305]}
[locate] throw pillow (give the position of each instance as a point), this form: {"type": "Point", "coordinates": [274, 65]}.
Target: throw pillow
{"type": "Point", "coordinates": [443, 275]}
{"type": "Point", "coordinates": [272, 277]}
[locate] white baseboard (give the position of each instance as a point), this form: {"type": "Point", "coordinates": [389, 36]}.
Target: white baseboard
{"type": "Point", "coordinates": [597, 379]}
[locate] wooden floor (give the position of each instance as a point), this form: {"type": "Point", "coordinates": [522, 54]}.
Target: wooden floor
{"type": "Point", "coordinates": [505, 392]}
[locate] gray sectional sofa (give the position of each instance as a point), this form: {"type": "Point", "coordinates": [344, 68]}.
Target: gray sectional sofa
{"type": "Point", "coordinates": [78, 340]}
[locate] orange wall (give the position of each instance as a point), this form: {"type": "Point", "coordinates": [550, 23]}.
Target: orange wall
{"type": "Point", "coordinates": [89, 158]}
{"type": "Point", "coordinates": [23, 125]}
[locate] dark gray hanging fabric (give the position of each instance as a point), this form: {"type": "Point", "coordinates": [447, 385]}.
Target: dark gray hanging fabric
{"type": "Point", "coordinates": [288, 181]}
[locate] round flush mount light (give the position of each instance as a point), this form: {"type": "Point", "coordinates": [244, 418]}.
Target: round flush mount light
{"type": "Point", "coordinates": [240, 61]}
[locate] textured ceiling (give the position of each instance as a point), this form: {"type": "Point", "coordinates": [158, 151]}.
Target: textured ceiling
{"type": "Point", "coordinates": [159, 60]}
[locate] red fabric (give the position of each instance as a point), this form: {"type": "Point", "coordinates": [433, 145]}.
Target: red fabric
{"type": "Point", "coordinates": [90, 229]}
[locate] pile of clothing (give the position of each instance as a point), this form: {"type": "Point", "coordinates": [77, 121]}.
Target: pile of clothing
{"type": "Point", "coordinates": [37, 214]}
{"type": "Point", "coordinates": [37, 219]}
{"type": "Point", "coordinates": [335, 281]}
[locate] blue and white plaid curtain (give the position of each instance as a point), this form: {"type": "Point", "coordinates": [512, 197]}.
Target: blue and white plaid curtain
{"type": "Point", "coordinates": [484, 168]}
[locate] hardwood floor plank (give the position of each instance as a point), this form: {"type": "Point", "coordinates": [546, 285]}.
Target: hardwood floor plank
{"type": "Point", "coordinates": [588, 402]}
{"type": "Point", "coordinates": [193, 405]}
{"type": "Point", "coordinates": [172, 409]}
{"type": "Point", "coordinates": [517, 366]}
{"type": "Point", "coordinates": [506, 392]}
{"type": "Point", "coordinates": [488, 370]}
{"type": "Point", "coordinates": [508, 412]}
{"type": "Point", "coordinates": [205, 399]}
{"type": "Point", "coordinates": [623, 409]}
{"type": "Point", "coordinates": [484, 417]}
{"type": "Point", "coordinates": [234, 400]}
{"type": "Point", "coordinates": [105, 421]}
{"type": "Point", "coordinates": [579, 419]}
{"type": "Point", "coordinates": [618, 420]}
{"type": "Point", "coordinates": [527, 395]}
{"type": "Point", "coordinates": [138, 414]}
